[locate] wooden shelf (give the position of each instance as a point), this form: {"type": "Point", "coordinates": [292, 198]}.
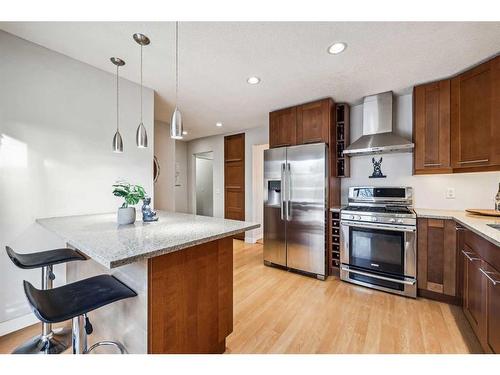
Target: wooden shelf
{"type": "Point", "coordinates": [341, 131]}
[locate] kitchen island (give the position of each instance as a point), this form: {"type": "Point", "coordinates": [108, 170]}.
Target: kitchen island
{"type": "Point", "coordinates": [181, 267]}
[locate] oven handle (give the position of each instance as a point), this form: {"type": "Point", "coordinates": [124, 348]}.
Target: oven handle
{"type": "Point", "coordinates": [379, 226]}
{"type": "Point", "coordinates": [406, 281]}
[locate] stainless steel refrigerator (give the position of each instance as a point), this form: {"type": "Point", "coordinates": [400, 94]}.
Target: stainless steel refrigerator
{"type": "Point", "coordinates": [295, 207]}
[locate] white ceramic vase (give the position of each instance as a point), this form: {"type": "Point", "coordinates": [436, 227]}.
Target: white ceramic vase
{"type": "Point", "coordinates": [126, 215]}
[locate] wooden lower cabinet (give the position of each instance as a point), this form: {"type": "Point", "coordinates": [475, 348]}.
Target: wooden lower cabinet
{"type": "Point", "coordinates": [474, 297]}
{"type": "Point", "coordinates": [481, 290]}
{"type": "Point", "coordinates": [493, 312]}
{"type": "Point", "coordinates": [437, 260]}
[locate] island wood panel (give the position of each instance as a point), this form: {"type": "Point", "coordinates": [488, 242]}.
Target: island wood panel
{"type": "Point", "coordinates": [437, 260]}
{"type": "Point", "coordinates": [234, 178]}
{"type": "Point", "coordinates": [190, 303]}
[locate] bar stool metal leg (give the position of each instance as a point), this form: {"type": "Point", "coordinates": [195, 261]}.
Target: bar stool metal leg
{"type": "Point", "coordinates": [50, 341]}
{"type": "Point", "coordinates": [79, 336]}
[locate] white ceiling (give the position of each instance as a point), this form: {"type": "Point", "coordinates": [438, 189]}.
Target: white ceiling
{"type": "Point", "coordinates": [217, 57]}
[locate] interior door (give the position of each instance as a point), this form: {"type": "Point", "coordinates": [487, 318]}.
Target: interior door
{"type": "Point", "coordinates": [274, 206]}
{"type": "Point", "coordinates": [306, 215]}
{"type": "Point", "coordinates": [234, 178]}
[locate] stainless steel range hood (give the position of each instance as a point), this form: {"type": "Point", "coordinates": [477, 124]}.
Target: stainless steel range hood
{"type": "Point", "coordinates": [377, 135]}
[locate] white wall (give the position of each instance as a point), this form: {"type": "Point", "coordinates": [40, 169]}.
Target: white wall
{"type": "Point", "coordinates": [164, 150]}
{"type": "Point", "coordinates": [253, 136]}
{"type": "Point", "coordinates": [473, 190]}
{"type": "Point", "coordinates": [57, 121]}
{"type": "Point", "coordinates": [181, 189]}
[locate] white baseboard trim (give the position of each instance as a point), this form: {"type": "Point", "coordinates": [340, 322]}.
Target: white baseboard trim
{"type": "Point", "coordinates": [250, 239]}
{"type": "Point", "coordinates": [16, 324]}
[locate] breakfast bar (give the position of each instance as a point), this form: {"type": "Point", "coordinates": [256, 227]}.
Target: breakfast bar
{"type": "Point", "coordinates": [181, 268]}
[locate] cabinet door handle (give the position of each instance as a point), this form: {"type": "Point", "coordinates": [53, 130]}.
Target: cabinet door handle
{"type": "Point", "coordinates": [432, 164]}
{"type": "Point", "coordinates": [474, 161]}
{"type": "Point", "coordinates": [487, 274]}
{"type": "Point", "coordinates": [469, 257]}
{"type": "Point", "coordinates": [459, 228]}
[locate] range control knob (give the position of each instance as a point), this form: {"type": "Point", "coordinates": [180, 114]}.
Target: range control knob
{"type": "Point", "coordinates": [392, 220]}
{"type": "Point", "coordinates": [356, 217]}
{"type": "Point", "coordinates": [374, 219]}
{"type": "Point", "coordinates": [400, 221]}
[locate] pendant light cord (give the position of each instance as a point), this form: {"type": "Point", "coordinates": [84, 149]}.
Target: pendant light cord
{"type": "Point", "coordinates": [117, 100]}
{"type": "Point", "coordinates": [141, 83]}
{"type": "Point", "coordinates": [176, 61]}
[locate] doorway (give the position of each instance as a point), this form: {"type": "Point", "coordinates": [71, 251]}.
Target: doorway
{"type": "Point", "coordinates": [258, 190]}
{"type": "Point", "coordinates": [204, 181]}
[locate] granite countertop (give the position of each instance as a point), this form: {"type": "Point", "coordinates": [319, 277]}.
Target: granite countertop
{"type": "Point", "coordinates": [101, 239]}
{"type": "Point", "coordinates": [475, 223]}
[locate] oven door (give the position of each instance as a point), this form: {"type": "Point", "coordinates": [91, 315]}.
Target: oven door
{"type": "Point", "coordinates": [379, 255]}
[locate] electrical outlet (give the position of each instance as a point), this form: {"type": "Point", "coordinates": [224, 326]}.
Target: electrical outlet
{"type": "Point", "coordinates": [450, 193]}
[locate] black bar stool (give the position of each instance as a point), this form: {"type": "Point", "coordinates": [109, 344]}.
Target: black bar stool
{"type": "Point", "coordinates": [74, 301]}
{"type": "Point", "coordinates": [50, 341]}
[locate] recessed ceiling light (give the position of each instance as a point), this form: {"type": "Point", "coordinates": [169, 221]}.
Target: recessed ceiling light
{"type": "Point", "coordinates": [218, 124]}
{"type": "Point", "coordinates": [337, 48]}
{"type": "Point", "coordinates": [253, 80]}
{"type": "Point", "coordinates": [184, 132]}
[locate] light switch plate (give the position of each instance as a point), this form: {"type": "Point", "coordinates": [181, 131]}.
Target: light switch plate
{"type": "Point", "coordinates": [450, 193]}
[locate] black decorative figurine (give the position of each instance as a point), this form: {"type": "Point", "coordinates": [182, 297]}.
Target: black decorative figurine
{"type": "Point", "coordinates": [148, 214]}
{"type": "Point", "coordinates": [377, 169]}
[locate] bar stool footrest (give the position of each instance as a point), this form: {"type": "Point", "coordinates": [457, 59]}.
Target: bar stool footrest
{"type": "Point", "coordinates": [116, 344]}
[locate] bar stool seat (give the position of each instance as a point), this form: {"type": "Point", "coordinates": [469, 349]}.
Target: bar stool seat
{"type": "Point", "coordinates": [50, 341]}
{"type": "Point", "coordinates": [78, 298]}
{"type": "Point", "coordinates": [43, 258]}
{"type": "Point", "coordinates": [74, 301]}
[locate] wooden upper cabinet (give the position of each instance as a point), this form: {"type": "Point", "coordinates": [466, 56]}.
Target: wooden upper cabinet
{"type": "Point", "coordinates": [475, 118]}
{"type": "Point", "coordinates": [283, 127]}
{"type": "Point", "coordinates": [313, 121]}
{"type": "Point", "coordinates": [431, 133]}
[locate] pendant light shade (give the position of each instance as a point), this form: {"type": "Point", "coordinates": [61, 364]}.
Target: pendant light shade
{"type": "Point", "coordinates": [117, 139]}
{"type": "Point", "coordinates": [117, 142]}
{"type": "Point", "coordinates": [176, 125]}
{"type": "Point", "coordinates": [141, 136]}
{"type": "Point", "coordinates": [176, 122]}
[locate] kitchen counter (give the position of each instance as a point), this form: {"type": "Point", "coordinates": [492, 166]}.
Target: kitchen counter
{"type": "Point", "coordinates": [475, 223]}
{"type": "Point", "coordinates": [181, 268]}
{"type": "Point", "coordinates": [111, 245]}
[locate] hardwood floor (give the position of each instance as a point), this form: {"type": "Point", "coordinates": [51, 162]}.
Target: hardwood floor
{"type": "Point", "coordinates": [282, 312]}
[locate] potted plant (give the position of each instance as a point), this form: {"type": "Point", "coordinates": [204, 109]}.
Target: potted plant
{"type": "Point", "coordinates": [132, 194]}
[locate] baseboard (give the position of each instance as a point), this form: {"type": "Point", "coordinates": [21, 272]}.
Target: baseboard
{"type": "Point", "coordinates": [16, 324]}
{"type": "Point", "coordinates": [452, 300]}
{"type": "Point", "coordinates": [250, 239]}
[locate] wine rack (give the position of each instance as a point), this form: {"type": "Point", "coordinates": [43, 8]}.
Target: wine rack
{"type": "Point", "coordinates": [334, 241]}
{"type": "Point", "coordinates": [342, 127]}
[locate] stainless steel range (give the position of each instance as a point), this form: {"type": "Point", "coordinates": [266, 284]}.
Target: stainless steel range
{"type": "Point", "coordinates": [378, 242]}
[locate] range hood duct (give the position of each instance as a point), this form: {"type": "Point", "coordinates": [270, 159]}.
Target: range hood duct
{"type": "Point", "coordinates": [378, 136]}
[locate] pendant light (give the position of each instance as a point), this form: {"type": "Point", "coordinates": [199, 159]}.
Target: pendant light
{"type": "Point", "coordinates": [141, 137]}
{"type": "Point", "coordinates": [117, 139]}
{"type": "Point", "coordinates": [176, 122]}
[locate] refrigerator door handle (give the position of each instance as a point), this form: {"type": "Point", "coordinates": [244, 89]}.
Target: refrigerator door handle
{"type": "Point", "coordinates": [288, 193]}
{"type": "Point", "coordinates": [283, 191]}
